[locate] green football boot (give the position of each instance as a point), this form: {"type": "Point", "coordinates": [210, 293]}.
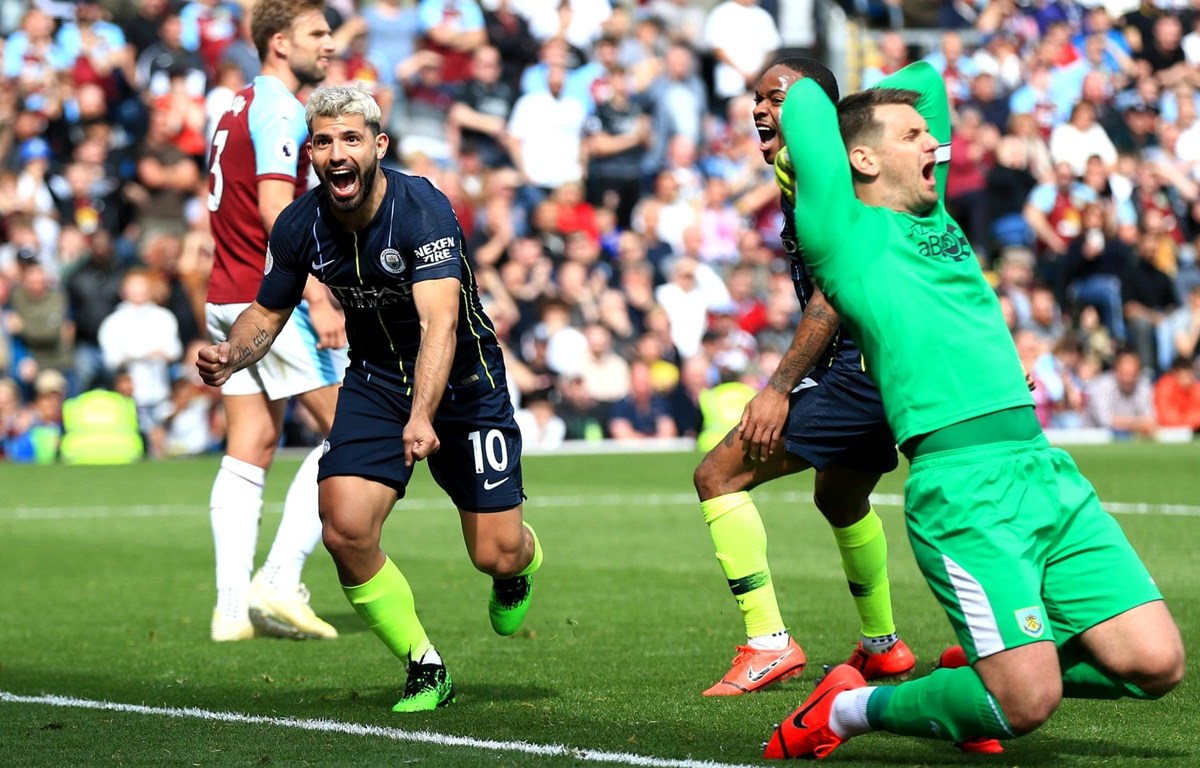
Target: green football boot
{"type": "Point", "coordinates": [509, 603]}
{"type": "Point", "coordinates": [429, 686]}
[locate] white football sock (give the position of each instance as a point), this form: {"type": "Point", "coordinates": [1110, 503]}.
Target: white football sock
{"type": "Point", "coordinates": [235, 508]}
{"type": "Point", "coordinates": [848, 717]}
{"type": "Point", "coordinates": [775, 641]}
{"type": "Point", "coordinates": [300, 529]}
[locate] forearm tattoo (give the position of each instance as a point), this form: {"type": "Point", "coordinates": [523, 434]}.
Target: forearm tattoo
{"type": "Point", "coordinates": [817, 329]}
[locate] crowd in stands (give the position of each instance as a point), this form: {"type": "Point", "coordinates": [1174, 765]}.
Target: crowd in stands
{"type": "Point", "coordinates": [604, 165]}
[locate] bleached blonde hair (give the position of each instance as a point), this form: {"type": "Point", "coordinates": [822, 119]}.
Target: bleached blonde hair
{"type": "Point", "coordinates": [342, 100]}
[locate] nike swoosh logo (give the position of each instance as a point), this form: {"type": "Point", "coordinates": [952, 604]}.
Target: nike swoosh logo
{"type": "Point", "coordinates": [798, 720]}
{"type": "Point", "coordinates": [755, 675]}
{"type": "Point", "coordinates": [489, 485]}
{"type": "Point", "coordinates": [322, 264]}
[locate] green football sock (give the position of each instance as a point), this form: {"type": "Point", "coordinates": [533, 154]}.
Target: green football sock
{"type": "Point", "coordinates": [385, 603]}
{"type": "Point", "coordinates": [741, 544]}
{"type": "Point", "coordinates": [536, 562]}
{"type": "Point", "coordinates": [864, 560]}
{"type": "Point", "coordinates": [1082, 679]}
{"type": "Point", "coordinates": [949, 704]}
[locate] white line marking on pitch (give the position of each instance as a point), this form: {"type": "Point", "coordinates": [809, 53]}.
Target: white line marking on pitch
{"type": "Point", "coordinates": [355, 729]}
{"type": "Point", "coordinates": [540, 502]}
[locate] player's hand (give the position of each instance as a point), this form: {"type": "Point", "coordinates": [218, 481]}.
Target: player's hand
{"type": "Point", "coordinates": [761, 427]}
{"type": "Point", "coordinates": [420, 441]}
{"type": "Point", "coordinates": [785, 176]}
{"type": "Point", "coordinates": [1029, 380]}
{"type": "Point", "coordinates": [330, 325]}
{"type": "Point", "coordinates": [213, 364]}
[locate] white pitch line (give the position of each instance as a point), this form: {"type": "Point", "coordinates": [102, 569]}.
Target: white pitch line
{"type": "Point", "coordinates": [356, 729]}
{"type": "Point", "coordinates": [536, 502]}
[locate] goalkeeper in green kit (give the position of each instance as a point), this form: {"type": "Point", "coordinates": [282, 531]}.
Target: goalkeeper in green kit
{"type": "Point", "coordinates": [1044, 592]}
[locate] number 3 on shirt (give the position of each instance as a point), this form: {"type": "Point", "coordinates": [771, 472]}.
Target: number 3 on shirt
{"type": "Point", "coordinates": [218, 177]}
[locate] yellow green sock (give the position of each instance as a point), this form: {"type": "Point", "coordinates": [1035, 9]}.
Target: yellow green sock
{"type": "Point", "coordinates": [741, 545]}
{"type": "Point", "coordinates": [536, 562]}
{"type": "Point", "coordinates": [864, 561]}
{"type": "Point", "coordinates": [385, 603]}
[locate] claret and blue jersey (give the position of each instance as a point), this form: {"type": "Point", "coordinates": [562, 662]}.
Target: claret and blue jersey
{"type": "Point", "coordinates": [414, 236]}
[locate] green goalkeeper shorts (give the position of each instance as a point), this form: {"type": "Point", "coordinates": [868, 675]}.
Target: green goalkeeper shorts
{"type": "Point", "coordinates": [1015, 545]}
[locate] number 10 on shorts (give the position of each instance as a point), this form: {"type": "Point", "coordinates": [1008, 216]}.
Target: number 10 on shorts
{"type": "Point", "coordinates": [492, 446]}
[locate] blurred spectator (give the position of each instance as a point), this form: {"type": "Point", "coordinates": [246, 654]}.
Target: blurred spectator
{"type": "Point", "coordinates": [1049, 391]}
{"type": "Point", "coordinates": [546, 138]}
{"type": "Point", "coordinates": [10, 412]}
{"type": "Point", "coordinates": [167, 57]}
{"type": "Point", "coordinates": [193, 423]}
{"type": "Point", "coordinates": [583, 417]}
{"type": "Point", "coordinates": [1054, 211]}
{"type": "Point", "coordinates": [1092, 270]}
{"type": "Point", "coordinates": [143, 338]}
{"type": "Point", "coordinates": [618, 137]}
{"type": "Point", "coordinates": [93, 292]}
{"type": "Point", "coordinates": [89, 200]}
{"type": "Point", "coordinates": [142, 23]}
{"type": "Point", "coordinates": [1177, 396]}
{"type": "Point", "coordinates": [479, 116]}
{"type": "Point", "coordinates": [161, 256]}
{"type": "Point", "coordinates": [1014, 279]}
{"type": "Point", "coordinates": [39, 322]}
{"type": "Point", "coordinates": [605, 374]}
{"type": "Point", "coordinates": [427, 103]}
{"type": "Point", "coordinates": [578, 22]}
{"type": "Point", "coordinates": [971, 150]}
{"type": "Point", "coordinates": [100, 427]}
{"type": "Point", "coordinates": [684, 19]}
{"type": "Point", "coordinates": [452, 29]}
{"type": "Point", "coordinates": [1081, 138]}
{"type": "Point", "coordinates": [167, 177]}
{"type": "Point", "coordinates": [893, 56]}
{"type": "Point", "coordinates": [33, 59]}
{"type": "Point", "coordinates": [1121, 400]}
{"type": "Point", "coordinates": [678, 102]}
{"type": "Point", "coordinates": [209, 26]}
{"type": "Point", "coordinates": [956, 69]}
{"type": "Point", "coordinates": [1007, 186]}
{"type": "Point", "coordinates": [37, 429]}
{"type": "Point", "coordinates": [741, 37]}
{"type": "Point", "coordinates": [1185, 327]}
{"type": "Point", "coordinates": [1045, 315]}
{"type": "Point", "coordinates": [540, 426]}
{"type": "Point", "coordinates": [642, 413]}
{"type": "Point", "coordinates": [1162, 57]}
{"type": "Point", "coordinates": [508, 32]}
{"type": "Point", "coordinates": [1148, 298]}
{"type": "Point", "coordinates": [685, 397]}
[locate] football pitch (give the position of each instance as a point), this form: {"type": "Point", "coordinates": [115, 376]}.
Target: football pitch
{"type": "Point", "coordinates": [106, 591]}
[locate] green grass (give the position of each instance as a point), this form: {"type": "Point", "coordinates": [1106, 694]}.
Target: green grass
{"type": "Point", "coordinates": [106, 590]}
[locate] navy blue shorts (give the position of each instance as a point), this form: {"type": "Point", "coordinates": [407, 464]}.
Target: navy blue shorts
{"type": "Point", "coordinates": [836, 417]}
{"type": "Point", "coordinates": [478, 465]}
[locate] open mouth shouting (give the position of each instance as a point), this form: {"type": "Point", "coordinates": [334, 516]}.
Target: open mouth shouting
{"type": "Point", "coordinates": [766, 137]}
{"type": "Point", "coordinates": [927, 173]}
{"type": "Point", "coordinates": [344, 184]}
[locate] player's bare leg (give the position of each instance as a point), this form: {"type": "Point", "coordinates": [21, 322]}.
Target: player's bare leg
{"type": "Point", "coordinates": [723, 481]}
{"type": "Point", "coordinates": [353, 510]}
{"type": "Point", "coordinates": [843, 496]}
{"type": "Point", "coordinates": [506, 548]}
{"type": "Point", "coordinates": [235, 507]}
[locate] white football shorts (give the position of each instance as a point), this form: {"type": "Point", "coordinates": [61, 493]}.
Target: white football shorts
{"type": "Point", "coordinates": [291, 367]}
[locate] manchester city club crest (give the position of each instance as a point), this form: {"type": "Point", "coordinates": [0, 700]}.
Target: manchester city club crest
{"type": "Point", "coordinates": [1031, 622]}
{"type": "Point", "coordinates": [392, 261]}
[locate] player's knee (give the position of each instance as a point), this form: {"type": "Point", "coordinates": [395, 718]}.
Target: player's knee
{"type": "Point", "coordinates": [499, 559]}
{"type": "Point", "coordinates": [840, 510]}
{"type": "Point", "coordinates": [1028, 706]}
{"type": "Point", "coordinates": [1159, 669]}
{"type": "Point", "coordinates": [712, 479]}
{"type": "Point", "coordinates": [346, 536]}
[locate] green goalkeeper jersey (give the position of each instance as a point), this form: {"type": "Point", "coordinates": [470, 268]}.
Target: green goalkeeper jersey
{"type": "Point", "coordinates": [908, 287]}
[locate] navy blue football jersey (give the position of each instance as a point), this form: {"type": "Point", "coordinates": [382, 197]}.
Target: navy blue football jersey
{"type": "Point", "coordinates": [842, 352]}
{"type": "Point", "coordinates": [414, 236]}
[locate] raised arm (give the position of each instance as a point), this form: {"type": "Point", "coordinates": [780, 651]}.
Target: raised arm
{"type": "Point", "coordinates": [824, 193]}
{"type": "Point", "coordinates": [933, 105]}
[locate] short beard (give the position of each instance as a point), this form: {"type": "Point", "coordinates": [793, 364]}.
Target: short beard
{"type": "Point", "coordinates": [309, 74]}
{"type": "Point", "coordinates": [365, 183]}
